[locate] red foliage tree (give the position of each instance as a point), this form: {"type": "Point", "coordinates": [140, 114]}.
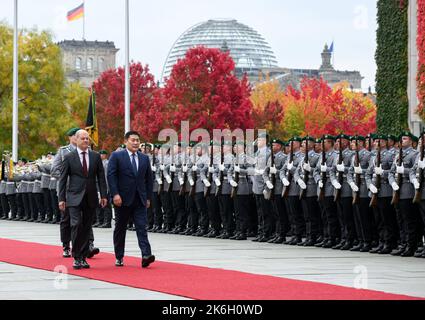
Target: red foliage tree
{"type": "Point", "coordinates": [203, 90]}
{"type": "Point", "coordinates": [146, 105]}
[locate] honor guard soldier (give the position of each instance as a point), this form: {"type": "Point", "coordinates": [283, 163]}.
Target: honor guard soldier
{"type": "Point", "coordinates": [165, 195]}
{"type": "Point", "coordinates": [105, 214]}
{"type": "Point", "coordinates": [404, 192]}
{"type": "Point", "coordinates": [178, 200]}
{"type": "Point", "coordinates": [157, 186]}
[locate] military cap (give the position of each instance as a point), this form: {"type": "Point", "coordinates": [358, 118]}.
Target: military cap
{"type": "Point", "coordinates": [328, 137]}
{"type": "Point", "coordinates": [309, 139]}
{"type": "Point", "coordinates": [343, 136]}
{"type": "Point", "coordinates": [408, 134]}
{"type": "Point", "coordinates": [278, 141]}
{"type": "Point", "coordinates": [359, 138]}
{"type": "Point", "coordinates": [287, 144]}
{"type": "Point", "coordinates": [157, 146]}
{"type": "Point", "coordinates": [51, 153]}
{"type": "Point", "coordinates": [123, 146]}
{"type": "Point", "coordinates": [192, 144]}
{"type": "Point", "coordinates": [103, 152]}
{"type": "Point", "coordinates": [318, 140]}
{"type": "Point", "coordinates": [380, 136]}
{"type": "Point", "coordinates": [25, 160]}
{"type": "Point", "coordinates": [392, 137]}
{"type": "Point", "coordinates": [72, 132]}
{"type": "Point", "coordinates": [296, 138]}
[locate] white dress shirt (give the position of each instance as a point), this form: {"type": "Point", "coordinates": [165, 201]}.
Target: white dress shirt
{"type": "Point", "coordinates": [130, 154]}
{"type": "Point", "coordinates": [80, 153]}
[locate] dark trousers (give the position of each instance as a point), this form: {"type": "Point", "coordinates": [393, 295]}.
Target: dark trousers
{"type": "Point", "coordinates": [151, 217]}
{"type": "Point", "coordinates": [214, 212]}
{"type": "Point", "coordinates": [361, 211]}
{"type": "Point", "coordinates": [294, 205]}
{"type": "Point", "coordinates": [193, 217]}
{"type": "Point", "coordinates": [139, 214]}
{"type": "Point", "coordinates": [312, 217]}
{"type": "Point", "coordinates": [180, 213]}
{"type": "Point", "coordinates": [35, 208]}
{"type": "Point", "coordinates": [265, 221]}
{"type": "Point", "coordinates": [202, 209]}
{"type": "Point", "coordinates": [345, 208]}
{"type": "Point", "coordinates": [422, 211]}
{"type": "Point", "coordinates": [241, 204]}
{"type": "Point", "coordinates": [81, 218]}
{"type": "Point", "coordinates": [65, 228]}
{"type": "Point", "coordinates": [389, 218]}
{"type": "Point", "coordinates": [20, 205]}
{"type": "Point", "coordinates": [40, 205]}
{"type": "Point", "coordinates": [157, 210]}
{"type": "Point", "coordinates": [167, 205]}
{"type": "Point", "coordinates": [334, 230]}
{"type": "Point", "coordinates": [281, 214]}
{"type": "Point", "coordinates": [4, 204]}
{"type": "Point", "coordinates": [226, 213]}
{"type": "Point", "coordinates": [411, 217]}
{"type": "Point", "coordinates": [47, 203]}
{"type": "Point", "coordinates": [55, 205]}
{"type": "Point", "coordinates": [11, 199]}
{"type": "Point", "coordinates": [26, 204]}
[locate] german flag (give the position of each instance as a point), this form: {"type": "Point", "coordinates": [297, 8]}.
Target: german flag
{"type": "Point", "coordinates": [91, 123]}
{"type": "Point", "coordinates": [76, 13]}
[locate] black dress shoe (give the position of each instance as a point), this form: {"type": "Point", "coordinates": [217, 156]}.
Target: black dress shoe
{"type": "Point", "coordinates": [279, 240]}
{"type": "Point", "coordinates": [119, 263]}
{"type": "Point", "coordinates": [252, 234]}
{"type": "Point", "coordinates": [320, 244]}
{"type": "Point", "coordinates": [66, 253]}
{"type": "Point", "coordinates": [386, 250]}
{"type": "Point", "coordinates": [96, 225]}
{"type": "Point", "coordinates": [241, 237]}
{"type": "Point", "coordinates": [264, 239]}
{"type": "Point", "coordinates": [234, 237]}
{"type": "Point", "coordinates": [366, 247]}
{"type": "Point", "coordinates": [77, 264]}
{"type": "Point", "coordinates": [92, 252]}
{"type": "Point", "coordinates": [309, 243]}
{"type": "Point", "coordinates": [377, 250]}
{"type": "Point", "coordinates": [419, 252]}
{"type": "Point", "coordinates": [224, 235]}
{"type": "Point", "coordinates": [409, 252]}
{"type": "Point", "coordinates": [397, 252]}
{"type": "Point", "coordinates": [84, 264]}
{"type": "Point", "coordinates": [347, 246]}
{"type": "Point", "coordinates": [105, 226]}
{"type": "Point", "coordinates": [146, 261]}
{"type": "Point", "coordinates": [357, 247]}
{"type": "Point", "coordinates": [423, 254]}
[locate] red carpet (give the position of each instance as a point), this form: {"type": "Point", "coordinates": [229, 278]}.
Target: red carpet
{"type": "Point", "coordinates": [185, 280]}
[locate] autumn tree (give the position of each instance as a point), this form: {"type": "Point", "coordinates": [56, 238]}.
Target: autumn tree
{"type": "Point", "coordinates": [203, 90]}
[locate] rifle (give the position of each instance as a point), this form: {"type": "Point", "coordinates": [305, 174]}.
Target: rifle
{"type": "Point", "coordinates": [237, 178]}
{"type": "Point", "coordinates": [285, 191]}
{"type": "Point", "coordinates": [183, 187]}
{"type": "Point", "coordinates": [170, 186]}
{"type": "Point", "coordinates": [418, 193]}
{"type": "Point", "coordinates": [356, 197]}
{"type": "Point", "coordinates": [323, 177]}
{"type": "Point", "coordinates": [337, 195]}
{"type": "Point", "coordinates": [194, 174]}
{"type": "Point", "coordinates": [221, 176]}
{"type": "Point", "coordinates": [306, 173]}
{"type": "Point", "coordinates": [374, 200]}
{"type": "Point", "coordinates": [399, 179]}
{"type": "Point", "coordinates": [208, 190]}
{"type": "Point", "coordinates": [272, 176]}
{"type": "Point", "coordinates": [161, 162]}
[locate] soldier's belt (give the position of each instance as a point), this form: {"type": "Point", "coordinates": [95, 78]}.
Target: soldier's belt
{"type": "Point", "coordinates": [10, 183]}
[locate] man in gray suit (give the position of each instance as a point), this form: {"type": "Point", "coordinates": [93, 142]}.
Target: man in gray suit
{"type": "Point", "coordinates": [84, 169]}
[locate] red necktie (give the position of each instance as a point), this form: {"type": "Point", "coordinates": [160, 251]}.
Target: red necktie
{"type": "Point", "coordinates": [84, 164]}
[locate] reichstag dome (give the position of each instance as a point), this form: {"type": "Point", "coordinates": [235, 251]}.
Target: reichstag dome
{"type": "Point", "coordinates": [247, 47]}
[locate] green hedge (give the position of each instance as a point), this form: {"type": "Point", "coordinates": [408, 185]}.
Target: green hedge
{"type": "Point", "coordinates": [392, 66]}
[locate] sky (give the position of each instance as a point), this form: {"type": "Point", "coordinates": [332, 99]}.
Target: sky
{"type": "Point", "coordinates": [296, 30]}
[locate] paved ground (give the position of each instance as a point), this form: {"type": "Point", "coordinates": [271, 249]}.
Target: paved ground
{"type": "Point", "coordinates": [383, 273]}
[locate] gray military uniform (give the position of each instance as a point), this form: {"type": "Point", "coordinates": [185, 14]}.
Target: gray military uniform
{"type": "Point", "coordinates": [246, 170]}
{"type": "Point", "coordinates": [261, 159]}
{"type": "Point", "coordinates": [387, 160]}
{"type": "Point", "coordinates": [279, 161]}
{"type": "Point", "coordinates": [313, 160]}
{"type": "Point", "coordinates": [364, 159]}
{"type": "Point", "coordinates": [331, 159]}
{"type": "Point", "coordinates": [347, 158]}
{"type": "Point", "coordinates": [407, 191]}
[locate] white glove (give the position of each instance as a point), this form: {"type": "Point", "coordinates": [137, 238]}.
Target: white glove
{"type": "Point", "coordinates": [162, 167]}
{"type": "Point", "coordinates": [358, 170]}
{"type": "Point", "coordinates": [153, 168]}
{"type": "Point", "coordinates": [217, 182]}
{"type": "Point", "coordinates": [302, 184]}
{"type": "Point", "coordinates": [191, 182]}
{"type": "Point", "coordinates": [273, 170]}
{"type": "Point", "coordinates": [400, 170]}
{"type": "Point", "coordinates": [324, 168]}
{"type": "Point", "coordinates": [421, 164]}
{"type": "Point", "coordinates": [379, 171]}
{"type": "Point", "coordinates": [221, 167]}
{"type": "Point", "coordinates": [159, 181]}
{"type": "Point", "coordinates": [373, 189]}
{"type": "Point", "coordinates": [206, 183]}
{"type": "Point", "coordinates": [234, 184]}
{"type": "Point", "coordinates": [290, 166]}
{"type": "Point", "coordinates": [416, 184]}
{"type": "Point", "coordinates": [168, 178]}
{"type": "Point", "coordinates": [259, 172]}
{"type": "Point", "coordinates": [336, 185]}
{"type": "Point", "coordinates": [307, 167]}
{"type": "Point", "coordinates": [173, 168]}
{"type": "Point", "coordinates": [237, 168]}
{"type": "Point", "coordinates": [285, 182]}
{"type": "Point", "coordinates": [181, 181]}
{"type": "Point", "coordinates": [210, 169]}
{"type": "Point", "coordinates": [321, 184]}
{"type": "Point", "coordinates": [269, 185]}
{"type": "Point", "coordinates": [340, 167]}
{"type": "Point", "coordinates": [354, 187]}
{"type": "Point", "coordinates": [395, 186]}
{"type": "Point", "coordinates": [184, 168]}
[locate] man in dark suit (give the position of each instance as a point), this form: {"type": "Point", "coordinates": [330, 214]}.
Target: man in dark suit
{"type": "Point", "coordinates": [130, 184]}
{"type": "Point", "coordinates": [84, 169]}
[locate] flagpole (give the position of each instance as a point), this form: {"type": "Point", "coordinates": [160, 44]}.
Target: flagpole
{"type": "Point", "coordinates": [84, 21]}
{"type": "Point", "coordinates": [15, 85]}
{"type": "Point", "coordinates": [127, 68]}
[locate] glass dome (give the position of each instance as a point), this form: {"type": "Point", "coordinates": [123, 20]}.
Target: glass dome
{"type": "Point", "coordinates": [247, 47]}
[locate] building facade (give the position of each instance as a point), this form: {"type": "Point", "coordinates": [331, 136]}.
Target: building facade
{"type": "Point", "coordinates": [84, 61]}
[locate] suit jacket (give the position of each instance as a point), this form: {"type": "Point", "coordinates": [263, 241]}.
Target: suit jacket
{"type": "Point", "coordinates": [79, 184]}
{"type": "Point", "coordinates": [124, 182]}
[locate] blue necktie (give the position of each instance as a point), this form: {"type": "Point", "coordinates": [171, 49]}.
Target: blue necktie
{"type": "Point", "coordinates": [133, 163]}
